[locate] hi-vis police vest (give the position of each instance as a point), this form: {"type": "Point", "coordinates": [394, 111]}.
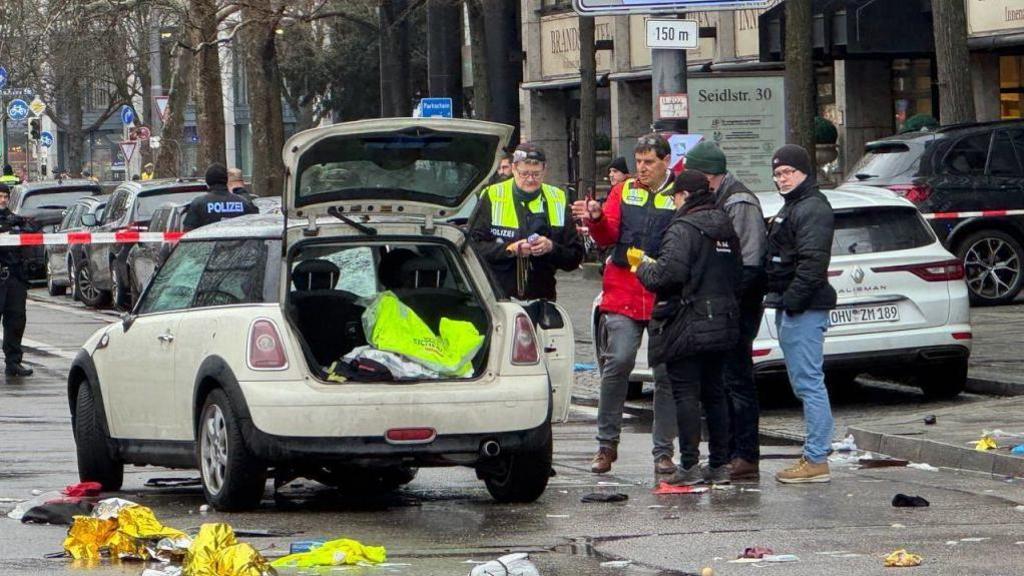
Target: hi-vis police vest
{"type": "Point", "coordinates": [644, 217]}
{"type": "Point", "coordinates": [504, 218]}
{"type": "Point", "coordinates": [10, 180]}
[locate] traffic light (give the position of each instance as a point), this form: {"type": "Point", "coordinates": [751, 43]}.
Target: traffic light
{"type": "Point", "coordinates": [33, 129]}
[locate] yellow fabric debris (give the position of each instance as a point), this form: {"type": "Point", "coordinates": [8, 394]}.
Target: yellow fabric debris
{"type": "Point", "coordinates": [216, 552]}
{"type": "Point", "coordinates": [334, 553]}
{"type": "Point", "coordinates": [902, 559]}
{"type": "Point", "coordinates": [985, 444]}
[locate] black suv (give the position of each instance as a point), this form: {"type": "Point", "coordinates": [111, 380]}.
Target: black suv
{"type": "Point", "coordinates": [968, 181]}
{"type": "Point", "coordinates": [46, 203]}
{"type": "Point", "coordinates": [131, 206]}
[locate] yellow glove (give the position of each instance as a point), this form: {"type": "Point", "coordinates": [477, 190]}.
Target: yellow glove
{"type": "Point", "coordinates": [634, 256]}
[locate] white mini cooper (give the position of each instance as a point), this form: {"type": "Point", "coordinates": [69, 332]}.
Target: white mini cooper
{"type": "Point", "coordinates": [223, 363]}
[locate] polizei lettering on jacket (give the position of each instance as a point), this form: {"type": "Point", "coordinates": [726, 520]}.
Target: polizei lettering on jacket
{"type": "Point", "coordinates": [225, 207]}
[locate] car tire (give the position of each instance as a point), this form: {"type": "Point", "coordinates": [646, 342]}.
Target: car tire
{"type": "Point", "coordinates": [52, 288]}
{"type": "Point", "coordinates": [92, 444]}
{"type": "Point", "coordinates": [233, 478]}
{"type": "Point", "coordinates": [120, 297]}
{"type": "Point", "coordinates": [943, 382]}
{"type": "Point", "coordinates": [72, 281]}
{"type": "Point", "coordinates": [979, 253]}
{"type": "Point", "coordinates": [87, 292]}
{"type": "Point", "coordinates": [523, 476]}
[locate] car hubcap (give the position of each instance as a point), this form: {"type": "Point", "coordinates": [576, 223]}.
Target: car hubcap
{"type": "Point", "coordinates": [85, 287]}
{"type": "Point", "coordinates": [993, 268]}
{"type": "Point", "coordinates": [214, 449]}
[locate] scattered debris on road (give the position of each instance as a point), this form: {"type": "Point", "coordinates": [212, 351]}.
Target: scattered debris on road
{"type": "Point", "coordinates": [508, 565]}
{"type": "Point", "coordinates": [902, 559]}
{"type": "Point", "coordinates": [666, 488]}
{"type": "Point", "coordinates": [604, 497]}
{"type": "Point", "coordinates": [173, 482]}
{"type": "Point", "coordinates": [904, 501]}
{"type": "Point", "coordinates": [340, 552]}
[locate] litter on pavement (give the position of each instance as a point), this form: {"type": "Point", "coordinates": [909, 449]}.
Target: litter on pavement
{"type": "Point", "coordinates": [756, 552]}
{"type": "Point", "coordinates": [56, 513]}
{"type": "Point", "coordinates": [849, 444]}
{"type": "Point", "coordinates": [340, 552]}
{"type": "Point", "coordinates": [985, 444]}
{"type": "Point", "coordinates": [666, 488]}
{"type": "Point", "coordinates": [507, 565]}
{"type": "Point", "coordinates": [216, 552]}
{"type": "Point", "coordinates": [930, 420]}
{"type": "Point", "coordinates": [604, 497]}
{"type": "Point", "coordinates": [922, 466]}
{"type": "Point", "coordinates": [173, 482]}
{"type": "Point", "coordinates": [616, 564]}
{"type": "Point", "coordinates": [1019, 450]}
{"type": "Point", "coordinates": [135, 534]}
{"type": "Point", "coordinates": [83, 489]}
{"type": "Point", "coordinates": [902, 559]}
{"type": "Point", "coordinates": [904, 501]}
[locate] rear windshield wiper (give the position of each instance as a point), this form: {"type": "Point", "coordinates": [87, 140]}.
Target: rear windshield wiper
{"type": "Point", "coordinates": [863, 176]}
{"type": "Point", "coordinates": [366, 230]}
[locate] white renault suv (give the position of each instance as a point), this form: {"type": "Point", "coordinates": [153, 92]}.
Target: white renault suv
{"type": "Point", "coordinates": [903, 306]}
{"type": "Point", "coordinates": [229, 361]}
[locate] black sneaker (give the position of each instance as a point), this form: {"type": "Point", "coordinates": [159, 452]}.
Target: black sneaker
{"type": "Point", "coordinates": [718, 475]}
{"type": "Point", "coordinates": [18, 370]}
{"type": "Point", "coordinates": [686, 476]}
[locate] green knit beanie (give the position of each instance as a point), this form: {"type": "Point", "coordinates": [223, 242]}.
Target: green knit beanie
{"type": "Point", "coordinates": [706, 157]}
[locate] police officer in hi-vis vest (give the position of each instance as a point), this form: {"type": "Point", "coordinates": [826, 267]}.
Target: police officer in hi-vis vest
{"type": "Point", "coordinates": [523, 229]}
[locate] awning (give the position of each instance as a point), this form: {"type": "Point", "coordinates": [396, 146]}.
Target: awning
{"type": "Point", "coordinates": [856, 29]}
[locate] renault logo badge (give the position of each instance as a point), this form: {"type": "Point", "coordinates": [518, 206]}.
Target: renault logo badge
{"type": "Point", "coordinates": [858, 275]}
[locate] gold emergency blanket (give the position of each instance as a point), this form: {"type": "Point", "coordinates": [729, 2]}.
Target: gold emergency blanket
{"type": "Point", "coordinates": [216, 552]}
{"type": "Point", "coordinates": [135, 533]}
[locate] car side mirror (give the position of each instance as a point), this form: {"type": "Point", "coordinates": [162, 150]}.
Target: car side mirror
{"type": "Point", "coordinates": [127, 319]}
{"type": "Point", "coordinates": [88, 219]}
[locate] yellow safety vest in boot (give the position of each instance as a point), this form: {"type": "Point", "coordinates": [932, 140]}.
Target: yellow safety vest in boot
{"type": "Point", "coordinates": [644, 216]}
{"type": "Point", "coordinates": [506, 215]}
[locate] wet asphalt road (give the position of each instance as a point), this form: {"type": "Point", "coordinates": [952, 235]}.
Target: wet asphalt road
{"type": "Point", "coordinates": [445, 518]}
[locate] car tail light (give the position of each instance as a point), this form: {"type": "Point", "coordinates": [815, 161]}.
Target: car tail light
{"type": "Point", "coordinates": [962, 336]}
{"type": "Point", "coordinates": [410, 435]}
{"type": "Point", "coordinates": [757, 353]}
{"type": "Point", "coordinates": [916, 193]}
{"type": "Point", "coordinates": [266, 351]}
{"type": "Point", "coordinates": [524, 342]}
{"type": "Point", "coordinates": [834, 273]}
{"type": "Point", "coordinates": [933, 272]}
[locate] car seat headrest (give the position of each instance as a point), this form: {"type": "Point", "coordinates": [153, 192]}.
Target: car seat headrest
{"type": "Point", "coordinates": [315, 275]}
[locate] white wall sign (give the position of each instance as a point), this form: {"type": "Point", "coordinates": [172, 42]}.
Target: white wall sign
{"type": "Point", "coordinates": [673, 106]}
{"type": "Point", "coordinates": [673, 34]}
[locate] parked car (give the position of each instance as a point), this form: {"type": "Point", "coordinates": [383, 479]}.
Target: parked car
{"type": "Point", "coordinates": [268, 204]}
{"type": "Point", "coordinates": [222, 364]}
{"type": "Point", "coordinates": [145, 257]}
{"type": "Point", "coordinates": [61, 258]}
{"type": "Point", "coordinates": [903, 306]}
{"type": "Point", "coordinates": [102, 275]}
{"type": "Point", "coordinates": [45, 203]}
{"type": "Point", "coordinates": [968, 181]}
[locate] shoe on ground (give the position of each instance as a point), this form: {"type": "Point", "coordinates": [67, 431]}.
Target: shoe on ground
{"type": "Point", "coordinates": [602, 462]}
{"type": "Point", "coordinates": [664, 466]}
{"type": "Point", "coordinates": [718, 475]}
{"type": "Point", "coordinates": [686, 476]}
{"type": "Point", "coordinates": [804, 472]}
{"type": "Point", "coordinates": [18, 370]}
{"type": "Point", "coordinates": [740, 469]}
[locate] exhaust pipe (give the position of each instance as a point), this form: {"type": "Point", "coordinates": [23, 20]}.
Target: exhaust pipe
{"type": "Point", "coordinates": [490, 448]}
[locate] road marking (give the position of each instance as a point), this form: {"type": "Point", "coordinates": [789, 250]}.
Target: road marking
{"type": "Point", "coordinates": [48, 349]}
{"type": "Point", "coordinates": [105, 317]}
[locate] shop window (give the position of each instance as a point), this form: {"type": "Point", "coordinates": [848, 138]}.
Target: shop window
{"type": "Point", "coordinates": [912, 89]}
{"type": "Point", "coordinates": [1011, 86]}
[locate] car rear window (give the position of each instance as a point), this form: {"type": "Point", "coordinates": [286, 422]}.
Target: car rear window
{"type": "Point", "coordinates": [884, 161]}
{"type": "Point", "coordinates": [53, 199]}
{"type": "Point", "coordinates": [148, 202]}
{"type": "Point", "coordinates": [879, 229]}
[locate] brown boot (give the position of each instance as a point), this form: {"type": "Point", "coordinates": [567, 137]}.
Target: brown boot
{"type": "Point", "coordinates": [602, 462]}
{"type": "Point", "coordinates": [740, 469]}
{"type": "Point", "coordinates": [664, 465]}
{"type": "Point", "coordinates": [805, 471]}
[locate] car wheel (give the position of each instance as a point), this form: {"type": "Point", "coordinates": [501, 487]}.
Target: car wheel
{"type": "Point", "coordinates": [233, 479]}
{"type": "Point", "coordinates": [943, 382]}
{"type": "Point", "coordinates": [119, 294]}
{"type": "Point", "coordinates": [521, 476]}
{"type": "Point", "coordinates": [72, 282]}
{"type": "Point", "coordinates": [88, 293]}
{"type": "Point", "coordinates": [93, 445]}
{"type": "Point", "coordinates": [52, 287]}
{"type": "Point", "coordinates": [993, 263]}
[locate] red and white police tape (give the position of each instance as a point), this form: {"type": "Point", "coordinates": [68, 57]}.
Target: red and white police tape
{"type": "Point", "coordinates": [125, 237]}
{"type": "Point", "coordinates": [981, 214]}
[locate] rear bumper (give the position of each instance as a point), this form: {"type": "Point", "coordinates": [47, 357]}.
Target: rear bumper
{"type": "Point", "coordinates": [899, 361]}
{"type": "Point", "coordinates": [446, 450]}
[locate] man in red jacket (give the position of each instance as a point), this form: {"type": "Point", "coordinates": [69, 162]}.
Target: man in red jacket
{"type": "Point", "coordinates": [634, 216]}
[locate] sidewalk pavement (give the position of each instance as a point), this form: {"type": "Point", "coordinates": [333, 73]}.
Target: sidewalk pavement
{"type": "Point", "coordinates": [995, 366]}
{"type": "Point", "coordinates": [949, 443]}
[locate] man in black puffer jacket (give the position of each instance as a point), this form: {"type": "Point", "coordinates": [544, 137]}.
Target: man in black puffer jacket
{"type": "Point", "coordinates": [799, 252]}
{"type": "Point", "coordinates": [696, 320]}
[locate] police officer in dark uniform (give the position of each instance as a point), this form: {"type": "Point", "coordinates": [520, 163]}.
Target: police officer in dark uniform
{"type": "Point", "coordinates": [13, 287]}
{"type": "Point", "coordinates": [218, 203]}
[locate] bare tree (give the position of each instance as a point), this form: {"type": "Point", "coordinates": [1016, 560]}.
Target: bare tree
{"type": "Point", "coordinates": [956, 97]}
{"type": "Point", "coordinates": [203, 24]}
{"type": "Point", "coordinates": [261, 68]}
{"type": "Point", "coordinates": [169, 159]}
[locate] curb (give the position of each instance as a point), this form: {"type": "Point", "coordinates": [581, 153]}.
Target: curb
{"type": "Point", "coordinates": [994, 387]}
{"type": "Point", "coordinates": [937, 454]}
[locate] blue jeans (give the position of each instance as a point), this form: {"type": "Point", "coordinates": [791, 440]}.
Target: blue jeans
{"type": "Point", "coordinates": [802, 337]}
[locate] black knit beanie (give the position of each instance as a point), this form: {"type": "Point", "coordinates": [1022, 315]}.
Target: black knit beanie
{"type": "Point", "coordinates": [793, 156]}
{"type": "Point", "coordinates": [690, 181]}
{"type": "Point", "coordinates": [217, 173]}
{"type": "Point", "coordinates": [620, 165]}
